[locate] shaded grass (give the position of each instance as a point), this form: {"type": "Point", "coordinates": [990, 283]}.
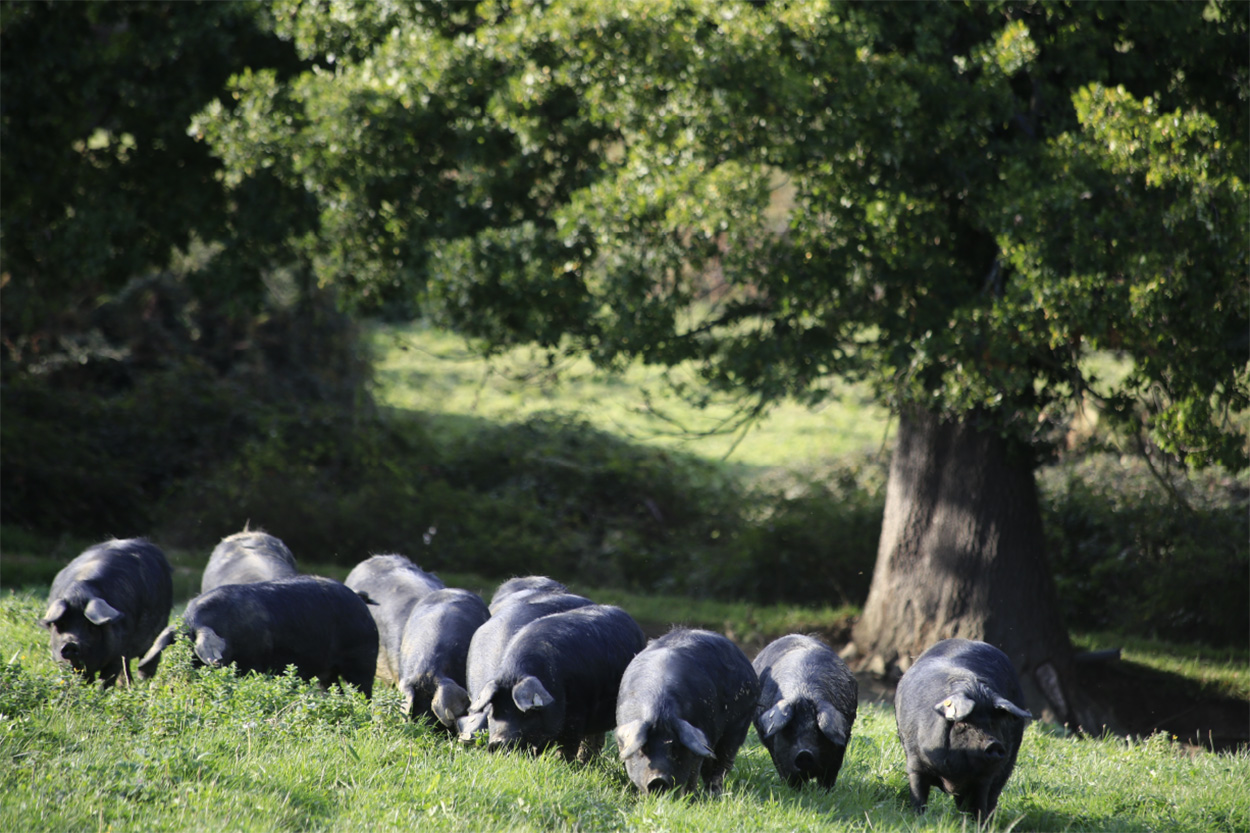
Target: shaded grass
{"type": "Point", "coordinates": [1222, 672]}
{"type": "Point", "coordinates": [541, 496]}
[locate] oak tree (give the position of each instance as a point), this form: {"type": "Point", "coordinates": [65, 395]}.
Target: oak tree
{"type": "Point", "coordinates": [957, 204]}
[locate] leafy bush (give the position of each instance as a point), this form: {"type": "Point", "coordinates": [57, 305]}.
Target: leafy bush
{"type": "Point", "coordinates": [99, 431]}
{"type": "Point", "coordinates": [1130, 556]}
{"type": "Point", "coordinates": [334, 486]}
{"type": "Point", "coordinates": [52, 446]}
{"type": "Point", "coordinates": [815, 542]}
{"type": "Point", "coordinates": [537, 496]}
{"type": "Point", "coordinates": [540, 496]}
{"type": "Point", "coordinates": [574, 500]}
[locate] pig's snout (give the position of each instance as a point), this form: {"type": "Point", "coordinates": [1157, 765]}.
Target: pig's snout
{"type": "Point", "coordinates": [805, 761]}
{"type": "Point", "coordinates": [69, 650]}
{"type": "Point", "coordinates": [660, 783]}
{"type": "Point", "coordinates": [994, 749]}
{"type": "Point", "coordinates": [508, 743]}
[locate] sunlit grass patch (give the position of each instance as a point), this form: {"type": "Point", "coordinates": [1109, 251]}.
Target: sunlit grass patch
{"type": "Point", "coordinates": [423, 369]}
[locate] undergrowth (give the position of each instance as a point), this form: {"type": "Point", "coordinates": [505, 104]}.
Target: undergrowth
{"type": "Point", "coordinates": [1168, 560]}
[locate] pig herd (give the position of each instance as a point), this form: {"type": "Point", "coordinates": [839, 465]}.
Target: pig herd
{"type": "Point", "coordinates": [540, 668]}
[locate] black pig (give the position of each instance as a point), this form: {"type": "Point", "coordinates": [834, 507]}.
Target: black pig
{"type": "Point", "coordinates": [391, 584]}
{"type": "Point", "coordinates": [433, 652]}
{"type": "Point", "coordinates": [684, 709]}
{"type": "Point", "coordinates": [523, 586]}
{"type": "Point", "coordinates": [960, 724]}
{"type": "Point", "coordinates": [488, 644]}
{"type": "Point", "coordinates": [316, 624]}
{"type": "Point", "coordinates": [557, 682]}
{"type": "Point", "coordinates": [808, 700]}
{"type": "Point", "coordinates": [108, 605]}
{"type": "Point", "coordinates": [246, 557]}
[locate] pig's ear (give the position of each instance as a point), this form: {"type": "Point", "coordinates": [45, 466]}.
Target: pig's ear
{"type": "Point", "coordinates": [775, 719]}
{"type": "Point", "coordinates": [1005, 705]}
{"type": "Point", "coordinates": [529, 694]}
{"type": "Point", "coordinates": [153, 656]}
{"type": "Point", "coordinates": [956, 707]}
{"type": "Point", "coordinates": [100, 612]}
{"type": "Point", "coordinates": [55, 611]}
{"type": "Point", "coordinates": [630, 737]}
{"type": "Point", "coordinates": [484, 697]}
{"type": "Point", "coordinates": [450, 701]}
{"type": "Point", "coordinates": [210, 647]}
{"type": "Point", "coordinates": [832, 723]}
{"type": "Point", "coordinates": [693, 739]}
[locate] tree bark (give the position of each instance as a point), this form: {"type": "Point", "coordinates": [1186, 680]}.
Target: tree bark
{"type": "Point", "coordinates": [962, 554]}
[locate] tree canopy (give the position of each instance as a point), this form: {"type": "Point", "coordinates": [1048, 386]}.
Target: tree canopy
{"type": "Point", "coordinates": [956, 202]}
{"type": "Point", "coordinates": [101, 181]}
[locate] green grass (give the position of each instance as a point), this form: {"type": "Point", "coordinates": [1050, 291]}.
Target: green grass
{"type": "Point", "coordinates": [423, 369]}
{"type": "Point", "coordinates": [204, 750]}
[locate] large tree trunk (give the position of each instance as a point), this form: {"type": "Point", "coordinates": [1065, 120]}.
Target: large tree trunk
{"type": "Point", "coordinates": [962, 554]}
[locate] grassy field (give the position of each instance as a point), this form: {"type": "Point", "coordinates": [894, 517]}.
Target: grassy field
{"type": "Point", "coordinates": [423, 369]}
{"type": "Point", "coordinates": [204, 750]}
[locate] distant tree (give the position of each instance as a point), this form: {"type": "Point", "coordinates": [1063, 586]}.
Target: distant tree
{"type": "Point", "coordinates": [138, 333]}
{"type": "Point", "coordinates": [99, 179]}
{"type": "Point", "coordinates": [956, 203]}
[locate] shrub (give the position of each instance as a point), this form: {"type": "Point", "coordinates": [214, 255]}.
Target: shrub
{"type": "Point", "coordinates": [101, 428]}
{"type": "Point", "coordinates": [539, 496]}
{"type": "Point", "coordinates": [817, 543]}
{"type": "Point", "coordinates": [1130, 556]}
{"type": "Point", "coordinates": [334, 486]}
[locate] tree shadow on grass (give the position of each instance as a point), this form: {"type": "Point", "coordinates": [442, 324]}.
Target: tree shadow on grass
{"type": "Point", "coordinates": [1146, 700]}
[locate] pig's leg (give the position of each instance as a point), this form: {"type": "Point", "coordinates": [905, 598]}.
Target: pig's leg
{"type": "Point", "coordinates": [726, 753]}
{"type": "Point", "coordinates": [715, 783]}
{"type": "Point", "coordinates": [568, 743]}
{"type": "Point", "coordinates": [920, 784]}
{"type": "Point", "coordinates": [986, 798]}
{"type": "Point", "coordinates": [715, 769]}
{"type": "Point", "coordinates": [110, 672]}
{"type": "Point", "coordinates": [359, 674]}
{"type": "Point", "coordinates": [590, 746]}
